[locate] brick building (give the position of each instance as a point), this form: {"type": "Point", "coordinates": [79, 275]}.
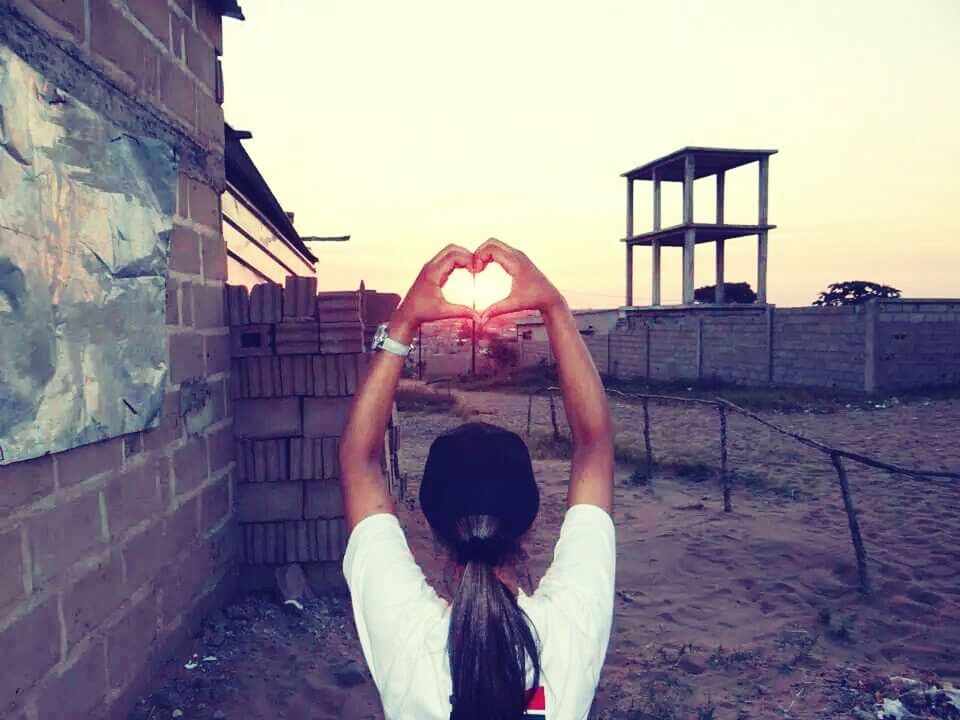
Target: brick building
{"type": "Point", "coordinates": [111, 552]}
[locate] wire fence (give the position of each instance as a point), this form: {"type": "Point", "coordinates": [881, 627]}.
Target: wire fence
{"type": "Point", "coordinates": [724, 407]}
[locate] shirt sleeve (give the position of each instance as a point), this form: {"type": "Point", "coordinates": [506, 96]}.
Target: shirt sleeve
{"type": "Point", "coordinates": [392, 601]}
{"type": "Point", "coordinates": [579, 584]}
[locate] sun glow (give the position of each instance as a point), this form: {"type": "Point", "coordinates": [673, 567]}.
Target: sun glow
{"type": "Point", "coordinates": [492, 284]}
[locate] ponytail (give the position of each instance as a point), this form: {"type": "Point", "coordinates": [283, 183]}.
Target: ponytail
{"type": "Point", "coordinates": [490, 638]}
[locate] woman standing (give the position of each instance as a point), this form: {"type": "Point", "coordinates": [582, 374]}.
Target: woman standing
{"type": "Point", "coordinates": [494, 653]}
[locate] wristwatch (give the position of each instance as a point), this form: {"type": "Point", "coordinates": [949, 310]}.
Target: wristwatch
{"type": "Point", "coordinates": [382, 341]}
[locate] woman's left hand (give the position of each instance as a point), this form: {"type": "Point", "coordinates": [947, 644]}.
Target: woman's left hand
{"type": "Point", "coordinates": [424, 300]}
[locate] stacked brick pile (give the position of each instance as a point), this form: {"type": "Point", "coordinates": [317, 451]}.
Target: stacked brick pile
{"type": "Point", "coordinates": [298, 357]}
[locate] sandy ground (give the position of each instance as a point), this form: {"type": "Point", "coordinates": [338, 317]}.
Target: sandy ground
{"type": "Point", "coordinates": [748, 614]}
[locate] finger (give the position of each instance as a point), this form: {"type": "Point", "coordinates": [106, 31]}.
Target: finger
{"type": "Point", "coordinates": [495, 251]}
{"type": "Point", "coordinates": [501, 307]}
{"type": "Point", "coordinates": [450, 310]}
{"type": "Point", "coordinates": [452, 257]}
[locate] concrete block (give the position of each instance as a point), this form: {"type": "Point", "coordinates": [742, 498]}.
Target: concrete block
{"type": "Point", "coordinates": [31, 647]}
{"type": "Point", "coordinates": [131, 640]}
{"type": "Point", "coordinates": [269, 502]}
{"type": "Point", "coordinates": [299, 297]}
{"type": "Point", "coordinates": [306, 459]}
{"type": "Point", "coordinates": [134, 495]}
{"type": "Point", "coordinates": [84, 682]}
{"type": "Point", "coordinates": [322, 499]}
{"type": "Point", "coordinates": [331, 458]}
{"type": "Point", "coordinates": [267, 418]}
{"type": "Point", "coordinates": [324, 416]}
{"type": "Point", "coordinates": [190, 465]}
{"type": "Point", "coordinates": [297, 337]}
{"type": "Point", "coordinates": [266, 303]}
{"type": "Point", "coordinates": [11, 567]}
{"type": "Point", "coordinates": [82, 463]}
{"type": "Point", "coordinates": [248, 340]}
{"type": "Point", "coordinates": [215, 503]}
{"type": "Point", "coordinates": [337, 538]}
{"type": "Point", "coordinates": [186, 356]}
{"type": "Point", "coordinates": [94, 596]}
{"type": "Point", "coordinates": [269, 461]}
{"type": "Point", "coordinates": [238, 304]}
{"type": "Point", "coordinates": [63, 535]}
{"type": "Point", "coordinates": [304, 540]}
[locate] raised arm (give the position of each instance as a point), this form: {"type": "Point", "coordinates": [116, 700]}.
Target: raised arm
{"type": "Point", "coordinates": [361, 447]}
{"type": "Point", "coordinates": [584, 400]}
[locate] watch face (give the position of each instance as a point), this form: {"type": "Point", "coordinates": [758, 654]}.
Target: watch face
{"type": "Point", "coordinates": [379, 336]}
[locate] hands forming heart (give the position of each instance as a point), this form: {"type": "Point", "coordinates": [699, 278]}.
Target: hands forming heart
{"type": "Point", "coordinates": [529, 288]}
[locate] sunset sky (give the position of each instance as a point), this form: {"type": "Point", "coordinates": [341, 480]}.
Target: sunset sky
{"type": "Point", "coordinates": [413, 125]}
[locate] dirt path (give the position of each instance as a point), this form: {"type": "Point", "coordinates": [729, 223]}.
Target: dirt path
{"type": "Point", "coordinates": [749, 614]}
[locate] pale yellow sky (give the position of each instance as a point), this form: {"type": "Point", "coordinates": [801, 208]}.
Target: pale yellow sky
{"type": "Point", "coordinates": [412, 125]}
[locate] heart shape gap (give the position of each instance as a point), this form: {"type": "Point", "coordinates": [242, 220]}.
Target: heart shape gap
{"type": "Point", "coordinates": [492, 285]}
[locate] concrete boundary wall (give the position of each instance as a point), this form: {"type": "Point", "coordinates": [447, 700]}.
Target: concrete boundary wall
{"type": "Point", "coordinates": [881, 345]}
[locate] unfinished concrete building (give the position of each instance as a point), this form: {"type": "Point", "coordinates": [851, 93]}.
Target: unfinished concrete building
{"type": "Point", "coordinates": [685, 166]}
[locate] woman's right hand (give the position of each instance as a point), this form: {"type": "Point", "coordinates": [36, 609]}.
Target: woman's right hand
{"type": "Point", "coordinates": [530, 289]}
{"type": "Point", "coordinates": [424, 300]}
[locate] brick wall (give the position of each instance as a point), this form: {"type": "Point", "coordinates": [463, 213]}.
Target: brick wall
{"type": "Point", "coordinates": [110, 552]}
{"type": "Point", "coordinates": [883, 345]}
{"type": "Point", "coordinates": [298, 358]}
{"type": "Point", "coordinates": [820, 347]}
{"type": "Point", "coordinates": [917, 343]}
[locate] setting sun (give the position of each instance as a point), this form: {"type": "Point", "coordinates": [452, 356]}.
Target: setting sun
{"type": "Point", "coordinates": [492, 284]}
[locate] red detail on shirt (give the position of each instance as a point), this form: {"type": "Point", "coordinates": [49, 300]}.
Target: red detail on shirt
{"type": "Point", "coordinates": [538, 703]}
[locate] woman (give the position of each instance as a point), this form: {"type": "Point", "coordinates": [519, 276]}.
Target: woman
{"type": "Point", "coordinates": [494, 653]}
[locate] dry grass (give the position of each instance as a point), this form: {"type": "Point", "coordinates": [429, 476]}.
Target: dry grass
{"type": "Point", "coordinates": [413, 397]}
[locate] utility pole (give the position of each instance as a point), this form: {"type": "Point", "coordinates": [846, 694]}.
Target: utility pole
{"type": "Point", "coordinates": [420, 353]}
{"type": "Point", "coordinates": [473, 323]}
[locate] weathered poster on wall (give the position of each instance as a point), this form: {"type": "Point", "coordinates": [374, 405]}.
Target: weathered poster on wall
{"type": "Point", "coordinates": [86, 212]}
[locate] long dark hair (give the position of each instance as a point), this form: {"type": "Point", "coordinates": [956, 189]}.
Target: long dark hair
{"type": "Point", "coordinates": [491, 638]}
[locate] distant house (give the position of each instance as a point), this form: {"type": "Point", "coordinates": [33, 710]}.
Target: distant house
{"type": "Point", "coordinates": [533, 345]}
{"type": "Point", "coordinates": [262, 244]}
{"type": "Point", "coordinates": [590, 322]}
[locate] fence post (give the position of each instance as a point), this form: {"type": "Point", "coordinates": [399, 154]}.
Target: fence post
{"type": "Point", "coordinates": [858, 548]}
{"type": "Point", "coordinates": [529, 412]}
{"type": "Point", "coordinates": [553, 417]}
{"type": "Point", "coordinates": [646, 438]}
{"type": "Point", "coordinates": [724, 476]}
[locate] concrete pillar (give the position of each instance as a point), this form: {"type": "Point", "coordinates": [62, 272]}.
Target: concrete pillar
{"type": "Point", "coordinates": [656, 201]}
{"type": "Point", "coordinates": [719, 292]}
{"type": "Point", "coordinates": [762, 239]}
{"type": "Point", "coordinates": [689, 236]}
{"type": "Point", "coordinates": [689, 243]}
{"type": "Point", "coordinates": [655, 281]}
{"type": "Point", "coordinates": [656, 273]}
{"type": "Point", "coordinates": [629, 293]}
{"type": "Point", "coordinates": [718, 295]}
{"type": "Point", "coordinates": [721, 177]}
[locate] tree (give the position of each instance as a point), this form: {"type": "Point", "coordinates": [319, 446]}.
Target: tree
{"type": "Point", "coordinates": [502, 353]}
{"type": "Point", "coordinates": [854, 292]}
{"type": "Point", "coordinates": [740, 293]}
{"type": "Point", "coordinates": [465, 331]}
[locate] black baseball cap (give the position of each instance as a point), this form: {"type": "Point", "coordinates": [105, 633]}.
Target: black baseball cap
{"type": "Point", "coordinates": [479, 469]}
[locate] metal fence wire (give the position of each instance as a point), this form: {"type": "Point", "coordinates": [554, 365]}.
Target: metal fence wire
{"type": "Point", "coordinates": [835, 455]}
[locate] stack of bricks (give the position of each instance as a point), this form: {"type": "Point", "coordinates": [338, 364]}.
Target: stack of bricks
{"type": "Point", "coordinates": [298, 358]}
